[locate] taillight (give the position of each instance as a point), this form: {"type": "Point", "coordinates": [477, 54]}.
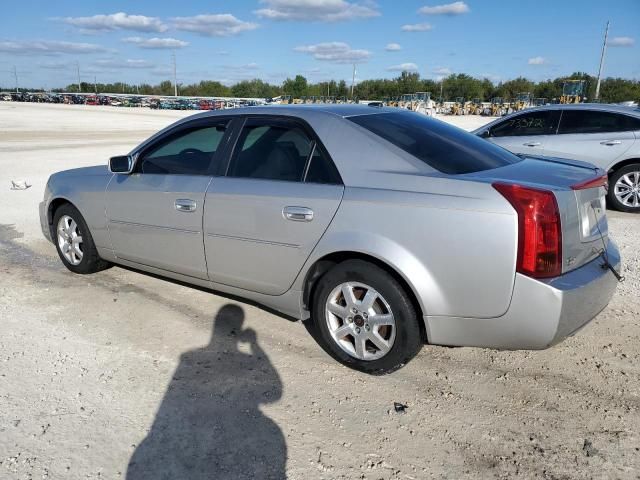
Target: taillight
{"type": "Point", "coordinates": [539, 230]}
{"type": "Point", "coordinates": [597, 182]}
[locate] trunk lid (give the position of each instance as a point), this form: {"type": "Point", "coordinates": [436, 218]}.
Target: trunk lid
{"type": "Point", "coordinates": [581, 202]}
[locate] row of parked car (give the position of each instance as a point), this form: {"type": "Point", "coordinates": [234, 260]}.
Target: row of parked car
{"type": "Point", "coordinates": [160, 103]}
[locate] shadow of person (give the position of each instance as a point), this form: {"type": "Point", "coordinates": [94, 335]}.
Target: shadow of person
{"type": "Point", "coordinates": [209, 424]}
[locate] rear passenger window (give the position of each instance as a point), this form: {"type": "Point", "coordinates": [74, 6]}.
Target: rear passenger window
{"type": "Point", "coordinates": [271, 151]}
{"type": "Point", "coordinates": [543, 122]}
{"type": "Point", "coordinates": [591, 121]}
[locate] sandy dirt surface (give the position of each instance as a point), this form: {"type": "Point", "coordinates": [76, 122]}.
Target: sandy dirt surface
{"type": "Point", "coordinates": [122, 372]}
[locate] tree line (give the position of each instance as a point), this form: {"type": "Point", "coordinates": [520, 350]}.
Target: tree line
{"type": "Point", "coordinates": [449, 88]}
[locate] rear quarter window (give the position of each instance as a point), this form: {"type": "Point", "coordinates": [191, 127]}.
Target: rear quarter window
{"type": "Point", "coordinates": [591, 121]}
{"type": "Point", "coordinates": [441, 146]}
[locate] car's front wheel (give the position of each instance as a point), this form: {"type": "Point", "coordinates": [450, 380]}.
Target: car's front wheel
{"type": "Point", "coordinates": [364, 318]}
{"type": "Point", "coordinates": [624, 189]}
{"type": "Point", "coordinates": [74, 242]}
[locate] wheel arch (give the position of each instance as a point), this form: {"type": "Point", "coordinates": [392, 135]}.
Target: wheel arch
{"type": "Point", "coordinates": [621, 164]}
{"type": "Point", "coordinates": [54, 204]}
{"type": "Point", "coordinates": [323, 264]}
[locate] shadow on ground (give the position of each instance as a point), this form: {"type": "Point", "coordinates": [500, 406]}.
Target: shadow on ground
{"type": "Point", "coordinates": [209, 424]}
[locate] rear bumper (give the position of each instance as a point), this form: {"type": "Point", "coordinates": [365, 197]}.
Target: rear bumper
{"type": "Point", "coordinates": [542, 312]}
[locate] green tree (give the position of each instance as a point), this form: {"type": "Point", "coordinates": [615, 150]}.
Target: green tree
{"type": "Point", "coordinates": [462, 85]}
{"type": "Point", "coordinates": [296, 88]}
{"type": "Point", "coordinates": [510, 89]}
{"type": "Point", "coordinates": [619, 90]}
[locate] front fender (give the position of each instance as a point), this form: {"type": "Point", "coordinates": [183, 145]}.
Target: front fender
{"type": "Point", "coordinates": [85, 192]}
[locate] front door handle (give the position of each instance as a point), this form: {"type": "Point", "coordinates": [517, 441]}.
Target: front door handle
{"type": "Point", "coordinates": [298, 214]}
{"type": "Point", "coordinates": [185, 205]}
{"type": "Point", "coordinates": [532, 144]}
{"type": "Point", "coordinates": [611, 142]}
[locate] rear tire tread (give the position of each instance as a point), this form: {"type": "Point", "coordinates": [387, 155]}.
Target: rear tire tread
{"type": "Point", "coordinates": [409, 339]}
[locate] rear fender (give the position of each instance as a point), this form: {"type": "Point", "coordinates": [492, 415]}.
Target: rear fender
{"type": "Point", "coordinates": [424, 287]}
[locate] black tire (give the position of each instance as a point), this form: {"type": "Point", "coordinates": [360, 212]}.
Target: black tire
{"type": "Point", "coordinates": [91, 261]}
{"type": "Point", "coordinates": [612, 200]}
{"type": "Point", "coordinates": [408, 337]}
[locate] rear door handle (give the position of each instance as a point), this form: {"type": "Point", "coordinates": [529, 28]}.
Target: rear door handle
{"type": "Point", "coordinates": [611, 142]}
{"type": "Point", "coordinates": [532, 144]}
{"type": "Point", "coordinates": [185, 205]}
{"type": "Point", "coordinates": [298, 214]}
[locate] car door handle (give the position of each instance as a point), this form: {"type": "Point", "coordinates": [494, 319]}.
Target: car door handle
{"type": "Point", "coordinates": [611, 142]}
{"type": "Point", "coordinates": [532, 144]}
{"type": "Point", "coordinates": [298, 214]}
{"type": "Point", "coordinates": [185, 205]}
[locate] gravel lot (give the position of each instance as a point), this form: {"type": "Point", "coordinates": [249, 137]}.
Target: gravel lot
{"type": "Point", "coordinates": [90, 365]}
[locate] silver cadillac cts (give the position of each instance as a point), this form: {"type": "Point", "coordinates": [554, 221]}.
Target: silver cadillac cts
{"type": "Point", "coordinates": [385, 229]}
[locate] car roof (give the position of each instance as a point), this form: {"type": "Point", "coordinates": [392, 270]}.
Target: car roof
{"type": "Point", "coordinates": [304, 110]}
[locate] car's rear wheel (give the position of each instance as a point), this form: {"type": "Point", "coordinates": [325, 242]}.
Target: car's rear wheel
{"type": "Point", "coordinates": [364, 318]}
{"type": "Point", "coordinates": [74, 242]}
{"type": "Point", "coordinates": [624, 189]}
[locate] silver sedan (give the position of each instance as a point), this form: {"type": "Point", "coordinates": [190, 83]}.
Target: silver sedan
{"type": "Point", "coordinates": [384, 229]}
{"type": "Point", "coordinates": [608, 136]}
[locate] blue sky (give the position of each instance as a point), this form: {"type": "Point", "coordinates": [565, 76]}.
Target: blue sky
{"type": "Point", "coordinates": [272, 39]}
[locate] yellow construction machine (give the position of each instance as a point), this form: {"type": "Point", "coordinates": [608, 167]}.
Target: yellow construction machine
{"type": "Point", "coordinates": [475, 107]}
{"type": "Point", "coordinates": [458, 106]}
{"type": "Point", "coordinates": [523, 100]}
{"type": "Point", "coordinates": [406, 101]}
{"type": "Point", "coordinates": [573, 91]}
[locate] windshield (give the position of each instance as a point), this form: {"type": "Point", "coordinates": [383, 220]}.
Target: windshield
{"type": "Point", "coordinates": [441, 146]}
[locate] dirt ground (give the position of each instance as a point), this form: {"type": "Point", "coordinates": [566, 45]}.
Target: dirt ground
{"type": "Point", "coordinates": [123, 372]}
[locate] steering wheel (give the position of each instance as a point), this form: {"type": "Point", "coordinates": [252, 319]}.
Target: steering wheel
{"type": "Point", "coordinates": [189, 151]}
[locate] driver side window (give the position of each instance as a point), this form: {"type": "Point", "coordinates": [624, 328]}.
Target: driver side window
{"type": "Point", "coordinates": [541, 122]}
{"type": "Point", "coordinates": [187, 152]}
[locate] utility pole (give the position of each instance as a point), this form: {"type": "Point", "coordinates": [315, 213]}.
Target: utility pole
{"type": "Point", "coordinates": [95, 84]}
{"type": "Point", "coordinates": [175, 76]}
{"type": "Point", "coordinates": [353, 80]}
{"type": "Point", "coordinates": [604, 49]}
{"type": "Point", "coordinates": [15, 74]}
{"type": "Point", "coordinates": [78, 70]}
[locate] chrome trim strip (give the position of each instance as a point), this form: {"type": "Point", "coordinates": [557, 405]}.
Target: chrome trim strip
{"type": "Point", "coordinates": [254, 240]}
{"type": "Point", "coordinates": [133, 224]}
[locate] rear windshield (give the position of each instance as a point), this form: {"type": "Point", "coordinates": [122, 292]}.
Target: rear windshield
{"type": "Point", "coordinates": [439, 145]}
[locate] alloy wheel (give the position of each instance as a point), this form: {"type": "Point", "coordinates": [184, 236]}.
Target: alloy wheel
{"type": "Point", "coordinates": [70, 240]}
{"type": "Point", "coordinates": [627, 189]}
{"type": "Point", "coordinates": [360, 321]}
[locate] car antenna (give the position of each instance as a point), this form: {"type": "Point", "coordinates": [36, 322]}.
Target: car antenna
{"type": "Point", "coordinates": [603, 252]}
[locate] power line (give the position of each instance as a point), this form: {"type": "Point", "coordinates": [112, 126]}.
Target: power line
{"type": "Point", "coordinates": [604, 49]}
{"type": "Point", "coordinates": [353, 80]}
{"type": "Point", "coordinates": [78, 71]}
{"type": "Point", "coordinates": [175, 77]}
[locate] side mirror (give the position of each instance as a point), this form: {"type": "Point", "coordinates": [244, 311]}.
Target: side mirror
{"type": "Point", "coordinates": [121, 164]}
{"type": "Point", "coordinates": [485, 133]}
